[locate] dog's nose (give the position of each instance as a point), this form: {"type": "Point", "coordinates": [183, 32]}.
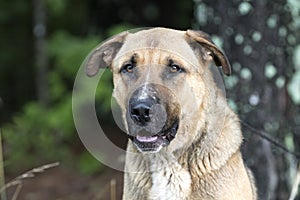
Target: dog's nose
{"type": "Point", "coordinates": [140, 113]}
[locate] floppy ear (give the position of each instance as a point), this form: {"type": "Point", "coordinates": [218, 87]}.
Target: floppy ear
{"type": "Point", "coordinates": [103, 55]}
{"type": "Point", "coordinates": [219, 57]}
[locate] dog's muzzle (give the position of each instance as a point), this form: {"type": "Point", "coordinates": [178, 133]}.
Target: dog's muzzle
{"type": "Point", "coordinates": [152, 117]}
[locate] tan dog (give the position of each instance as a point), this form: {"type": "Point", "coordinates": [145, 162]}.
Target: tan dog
{"type": "Point", "coordinates": [184, 139]}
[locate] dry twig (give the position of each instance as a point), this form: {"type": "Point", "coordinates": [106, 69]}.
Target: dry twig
{"type": "Point", "coordinates": [113, 189]}
{"type": "Point", "coordinates": [295, 185]}
{"type": "Point", "coordinates": [18, 181]}
{"type": "Point", "coordinates": [2, 178]}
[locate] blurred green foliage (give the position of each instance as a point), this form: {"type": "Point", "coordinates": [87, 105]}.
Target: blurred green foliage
{"type": "Point", "coordinates": [87, 164]}
{"type": "Point", "coordinates": [69, 52]}
{"type": "Point", "coordinates": [37, 133]}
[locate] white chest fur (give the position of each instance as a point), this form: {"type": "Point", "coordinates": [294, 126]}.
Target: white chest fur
{"type": "Point", "coordinates": [169, 181]}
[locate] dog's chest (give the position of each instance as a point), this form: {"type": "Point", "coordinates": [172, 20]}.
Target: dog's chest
{"type": "Point", "coordinates": [170, 182]}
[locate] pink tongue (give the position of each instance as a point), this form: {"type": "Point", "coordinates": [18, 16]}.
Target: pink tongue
{"type": "Point", "coordinates": [146, 139]}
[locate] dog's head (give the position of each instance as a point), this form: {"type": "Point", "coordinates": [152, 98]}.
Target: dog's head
{"type": "Point", "coordinates": [160, 78]}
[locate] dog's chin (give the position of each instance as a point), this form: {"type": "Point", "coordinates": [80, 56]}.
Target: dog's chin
{"type": "Point", "coordinates": [154, 143]}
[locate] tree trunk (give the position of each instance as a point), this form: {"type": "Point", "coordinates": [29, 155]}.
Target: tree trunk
{"type": "Point", "coordinates": [256, 36]}
{"type": "Point", "coordinates": [41, 56]}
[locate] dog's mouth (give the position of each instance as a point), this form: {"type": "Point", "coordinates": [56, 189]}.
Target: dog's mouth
{"type": "Point", "coordinates": [154, 143]}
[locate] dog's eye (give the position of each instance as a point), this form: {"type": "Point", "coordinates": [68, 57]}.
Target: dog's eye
{"type": "Point", "coordinates": [175, 68]}
{"type": "Point", "coordinates": [127, 68]}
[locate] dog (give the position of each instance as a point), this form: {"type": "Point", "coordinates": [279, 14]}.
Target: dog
{"type": "Point", "coordinates": [184, 140]}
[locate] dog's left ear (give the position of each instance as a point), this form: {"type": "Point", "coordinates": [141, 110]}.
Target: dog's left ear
{"type": "Point", "coordinates": [103, 55]}
{"type": "Point", "coordinates": [219, 57]}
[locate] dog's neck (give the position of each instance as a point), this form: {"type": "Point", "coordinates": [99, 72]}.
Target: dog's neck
{"type": "Point", "coordinates": [219, 140]}
{"type": "Point", "coordinates": [170, 179]}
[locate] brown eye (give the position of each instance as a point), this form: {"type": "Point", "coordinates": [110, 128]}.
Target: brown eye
{"type": "Point", "coordinates": [128, 68]}
{"type": "Point", "coordinates": [175, 68]}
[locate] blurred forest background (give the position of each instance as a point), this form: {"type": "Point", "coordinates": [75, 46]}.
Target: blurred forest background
{"type": "Point", "coordinates": [43, 43]}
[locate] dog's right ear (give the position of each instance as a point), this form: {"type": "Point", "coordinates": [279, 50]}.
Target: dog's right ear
{"type": "Point", "coordinates": [103, 55]}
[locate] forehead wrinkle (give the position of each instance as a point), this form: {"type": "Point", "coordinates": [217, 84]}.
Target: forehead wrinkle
{"type": "Point", "coordinates": [149, 56]}
{"type": "Point", "coordinates": [153, 43]}
{"type": "Point", "coordinates": [159, 57]}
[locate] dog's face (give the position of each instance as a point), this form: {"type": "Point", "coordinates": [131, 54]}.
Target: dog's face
{"type": "Point", "coordinates": [159, 83]}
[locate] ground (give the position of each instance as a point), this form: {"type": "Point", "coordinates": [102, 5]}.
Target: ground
{"type": "Point", "coordinates": [62, 184]}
